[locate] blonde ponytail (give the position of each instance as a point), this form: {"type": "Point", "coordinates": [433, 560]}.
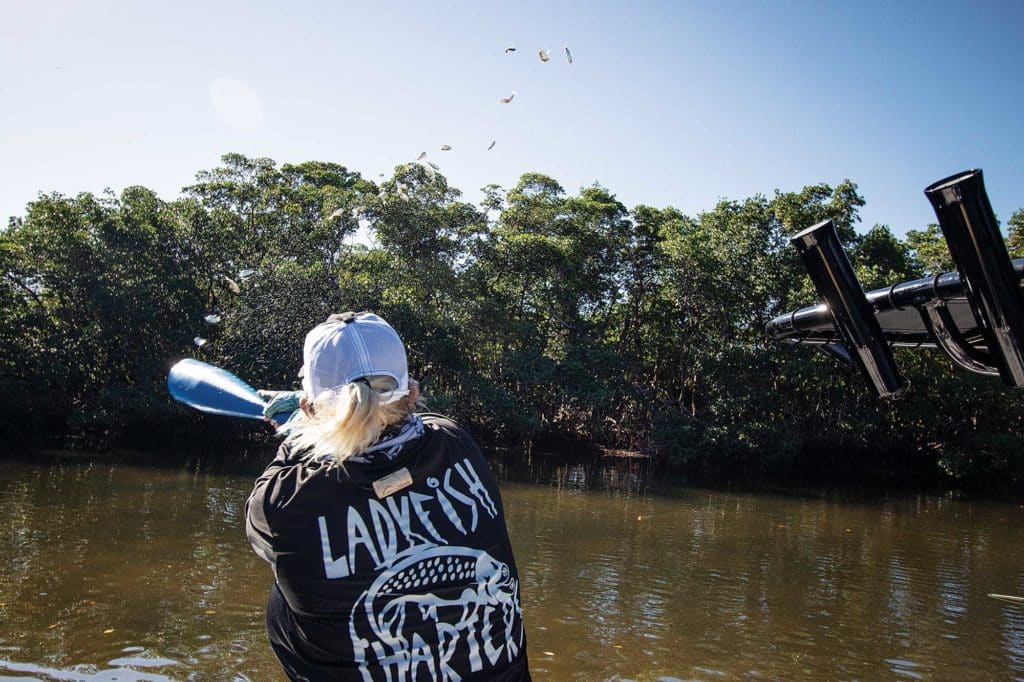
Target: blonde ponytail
{"type": "Point", "coordinates": [345, 421]}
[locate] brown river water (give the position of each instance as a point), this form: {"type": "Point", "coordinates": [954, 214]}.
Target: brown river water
{"type": "Point", "coordinates": [117, 572]}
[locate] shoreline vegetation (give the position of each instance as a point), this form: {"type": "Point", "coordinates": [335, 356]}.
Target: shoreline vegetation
{"type": "Point", "coordinates": [539, 318]}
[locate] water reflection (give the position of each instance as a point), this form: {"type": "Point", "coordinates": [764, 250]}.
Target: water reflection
{"type": "Point", "coordinates": [629, 475]}
{"type": "Point", "coordinates": [127, 573]}
{"type": "Point", "coordinates": [113, 559]}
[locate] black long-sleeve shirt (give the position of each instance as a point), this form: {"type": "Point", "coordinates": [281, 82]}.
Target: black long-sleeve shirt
{"type": "Point", "coordinates": [412, 580]}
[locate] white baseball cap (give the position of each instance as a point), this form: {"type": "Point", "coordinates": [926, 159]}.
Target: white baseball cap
{"type": "Point", "coordinates": [351, 346]}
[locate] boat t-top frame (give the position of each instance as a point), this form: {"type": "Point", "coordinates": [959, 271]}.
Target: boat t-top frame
{"type": "Point", "coordinates": [975, 314]}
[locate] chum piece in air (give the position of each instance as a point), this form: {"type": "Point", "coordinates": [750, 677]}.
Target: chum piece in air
{"type": "Point", "coordinates": [506, 100]}
{"type": "Point", "coordinates": [510, 48]}
{"type": "Point", "coordinates": [568, 55]}
{"type": "Point", "coordinates": [975, 315]}
{"type": "Point", "coordinates": [231, 284]}
{"type": "Point", "coordinates": [544, 55]}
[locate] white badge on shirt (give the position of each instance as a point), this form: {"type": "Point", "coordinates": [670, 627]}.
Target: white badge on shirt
{"type": "Point", "coordinates": [392, 483]}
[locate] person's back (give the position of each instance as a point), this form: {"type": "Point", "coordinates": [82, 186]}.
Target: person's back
{"type": "Point", "coordinates": [392, 562]}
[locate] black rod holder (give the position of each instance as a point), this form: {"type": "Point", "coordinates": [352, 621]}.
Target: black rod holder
{"type": "Point", "coordinates": [972, 234]}
{"type": "Point", "coordinates": [833, 276]}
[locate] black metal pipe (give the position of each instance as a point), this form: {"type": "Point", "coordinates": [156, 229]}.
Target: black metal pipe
{"type": "Point", "coordinates": [990, 283]}
{"type": "Point", "coordinates": [833, 276]}
{"type": "Point", "coordinates": [944, 287]}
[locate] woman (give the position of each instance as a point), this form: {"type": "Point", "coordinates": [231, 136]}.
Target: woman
{"type": "Point", "coordinates": [384, 528]}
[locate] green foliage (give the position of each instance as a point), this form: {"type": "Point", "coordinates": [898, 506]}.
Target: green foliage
{"type": "Point", "coordinates": [930, 249]}
{"type": "Point", "coordinates": [100, 300]}
{"type": "Point", "coordinates": [1015, 239]}
{"type": "Point", "coordinates": [539, 315]}
{"type": "Point", "coordinates": [883, 259]}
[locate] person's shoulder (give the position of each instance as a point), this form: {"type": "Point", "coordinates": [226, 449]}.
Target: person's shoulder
{"type": "Point", "coordinates": [288, 454]}
{"type": "Point", "coordinates": [446, 426]}
{"type": "Point", "coordinates": [293, 476]}
{"type": "Point", "coordinates": [438, 421]}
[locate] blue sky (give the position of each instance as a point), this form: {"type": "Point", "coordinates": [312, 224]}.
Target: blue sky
{"type": "Point", "coordinates": [669, 103]}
